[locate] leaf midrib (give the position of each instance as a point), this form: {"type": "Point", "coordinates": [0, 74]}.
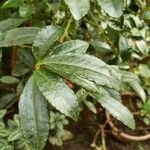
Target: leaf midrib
{"type": "Point", "coordinates": [35, 117]}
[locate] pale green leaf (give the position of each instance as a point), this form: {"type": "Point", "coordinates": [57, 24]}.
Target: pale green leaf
{"type": "Point", "coordinates": [112, 7]}
{"type": "Point", "coordinates": [10, 24]}
{"type": "Point", "coordinates": [57, 92]}
{"type": "Point", "coordinates": [84, 70]}
{"type": "Point", "coordinates": [78, 8]}
{"type": "Point", "coordinates": [114, 107]}
{"type": "Point", "coordinates": [44, 39]}
{"type": "Point", "coordinates": [19, 36]}
{"type": "Point", "coordinates": [72, 46]}
{"type": "Point", "coordinates": [34, 116]}
{"type": "Point", "coordinates": [9, 80]}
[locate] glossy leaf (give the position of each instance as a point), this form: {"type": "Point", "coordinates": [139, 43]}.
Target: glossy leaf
{"type": "Point", "coordinates": [112, 7]}
{"type": "Point", "coordinates": [10, 24]}
{"type": "Point", "coordinates": [19, 36]}
{"type": "Point", "coordinates": [114, 107]}
{"type": "Point", "coordinates": [72, 46]}
{"type": "Point", "coordinates": [84, 70]}
{"type": "Point", "coordinates": [34, 116]}
{"type": "Point", "coordinates": [57, 92]}
{"type": "Point", "coordinates": [78, 8]}
{"type": "Point", "coordinates": [44, 39]}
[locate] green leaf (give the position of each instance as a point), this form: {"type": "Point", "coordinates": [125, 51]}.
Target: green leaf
{"type": "Point", "coordinates": [10, 24]}
{"type": "Point", "coordinates": [34, 116]}
{"type": "Point", "coordinates": [26, 57]}
{"type": "Point", "coordinates": [84, 70]}
{"type": "Point", "coordinates": [72, 46]}
{"type": "Point", "coordinates": [78, 8]}
{"type": "Point", "coordinates": [19, 36]}
{"type": "Point", "coordinates": [146, 15]}
{"type": "Point", "coordinates": [57, 92]}
{"type": "Point", "coordinates": [7, 100]}
{"type": "Point", "coordinates": [115, 107]}
{"type": "Point", "coordinates": [9, 80]}
{"type": "Point", "coordinates": [44, 39]}
{"type": "Point", "coordinates": [146, 107]}
{"type": "Point", "coordinates": [112, 7]}
{"type": "Point", "coordinates": [12, 3]}
{"type": "Point", "coordinates": [26, 10]}
{"type": "Point", "coordinates": [133, 80]}
{"type": "Point", "coordinates": [101, 47]}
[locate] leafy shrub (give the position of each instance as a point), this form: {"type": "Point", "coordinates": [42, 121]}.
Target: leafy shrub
{"type": "Point", "coordinates": [95, 53]}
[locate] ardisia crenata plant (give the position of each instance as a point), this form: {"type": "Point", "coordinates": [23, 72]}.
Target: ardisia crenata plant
{"type": "Point", "coordinates": [47, 86]}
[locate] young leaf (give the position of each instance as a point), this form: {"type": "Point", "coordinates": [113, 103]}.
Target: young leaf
{"type": "Point", "coordinates": [78, 8]}
{"type": "Point", "coordinates": [112, 7]}
{"type": "Point", "coordinates": [72, 46]}
{"type": "Point", "coordinates": [115, 107]}
{"type": "Point", "coordinates": [34, 116]}
{"type": "Point", "coordinates": [57, 92]}
{"type": "Point", "coordinates": [84, 70]}
{"type": "Point", "coordinates": [10, 23]}
{"type": "Point", "coordinates": [19, 36]}
{"type": "Point", "coordinates": [44, 39]}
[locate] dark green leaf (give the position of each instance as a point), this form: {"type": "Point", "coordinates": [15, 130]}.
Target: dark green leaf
{"type": "Point", "coordinates": [44, 39]}
{"type": "Point", "coordinates": [19, 36]}
{"type": "Point", "coordinates": [7, 100]}
{"type": "Point", "coordinates": [84, 70]}
{"type": "Point", "coordinates": [26, 57]}
{"type": "Point", "coordinates": [72, 46]}
{"type": "Point", "coordinates": [20, 69]}
{"type": "Point", "coordinates": [112, 7]}
{"type": "Point", "coordinates": [78, 8]}
{"type": "Point", "coordinates": [101, 47]}
{"type": "Point", "coordinates": [133, 80]}
{"type": "Point", "coordinates": [57, 92]}
{"type": "Point", "coordinates": [34, 116]}
{"type": "Point", "coordinates": [115, 107]}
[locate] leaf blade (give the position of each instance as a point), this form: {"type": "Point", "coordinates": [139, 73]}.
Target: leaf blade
{"type": "Point", "coordinates": [44, 39]}
{"type": "Point", "coordinates": [57, 92]}
{"type": "Point", "coordinates": [10, 23]}
{"type": "Point", "coordinates": [19, 36]}
{"type": "Point", "coordinates": [82, 69]}
{"type": "Point", "coordinates": [112, 7]}
{"type": "Point", "coordinates": [33, 116]}
{"type": "Point", "coordinates": [115, 108]}
{"type": "Point", "coordinates": [78, 8]}
{"type": "Point", "coordinates": [72, 46]}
